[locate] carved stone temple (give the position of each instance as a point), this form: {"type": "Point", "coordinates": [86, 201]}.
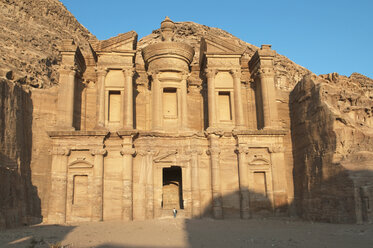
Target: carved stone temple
{"type": "Point", "coordinates": [134, 140]}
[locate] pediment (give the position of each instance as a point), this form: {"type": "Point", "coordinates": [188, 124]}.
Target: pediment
{"type": "Point", "coordinates": [259, 161]}
{"type": "Point", "coordinates": [122, 42]}
{"type": "Point", "coordinates": [218, 45]}
{"type": "Point", "coordinates": [168, 157]}
{"type": "Point", "coordinates": [80, 163]}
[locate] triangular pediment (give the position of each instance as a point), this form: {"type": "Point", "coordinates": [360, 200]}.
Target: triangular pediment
{"type": "Point", "coordinates": [215, 44]}
{"type": "Point", "coordinates": [121, 42]}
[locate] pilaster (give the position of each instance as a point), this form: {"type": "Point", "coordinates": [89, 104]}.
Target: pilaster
{"type": "Point", "coordinates": [66, 95]}
{"type": "Point", "coordinates": [239, 116]}
{"type": "Point", "coordinates": [214, 152]}
{"type": "Point", "coordinates": [101, 75]}
{"type": "Point", "coordinates": [278, 170]}
{"type": "Point", "coordinates": [184, 103]}
{"type": "Point", "coordinates": [156, 102]}
{"type": "Point", "coordinates": [262, 69]}
{"type": "Point", "coordinates": [127, 153]}
{"type": "Point", "coordinates": [210, 75]}
{"type": "Point", "coordinates": [98, 178]}
{"type": "Point", "coordinates": [242, 151]}
{"type": "Point", "coordinates": [196, 197]}
{"type": "Point", "coordinates": [58, 192]}
{"type": "Point", "coordinates": [128, 99]}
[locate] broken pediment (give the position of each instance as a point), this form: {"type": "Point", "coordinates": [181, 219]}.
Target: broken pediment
{"type": "Point", "coordinates": [122, 42]}
{"type": "Point", "coordinates": [169, 157]}
{"type": "Point", "coordinates": [216, 45]}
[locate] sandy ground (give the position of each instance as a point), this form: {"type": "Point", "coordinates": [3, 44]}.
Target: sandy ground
{"type": "Point", "coordinates": [193, 233]}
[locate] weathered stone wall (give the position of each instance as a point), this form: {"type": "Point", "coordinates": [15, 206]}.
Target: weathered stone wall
{"type": "Point", "coordinates": [19, 201]}
{"type": "Point", "coordinates": [328, 134]}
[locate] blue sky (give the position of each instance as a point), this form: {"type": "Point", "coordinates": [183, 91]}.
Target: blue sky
{"type": "Point", "coordinates": [323, 36]}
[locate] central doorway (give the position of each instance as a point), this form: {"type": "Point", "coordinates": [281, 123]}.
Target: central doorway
{"type": "Point", "coordinates": [172, 196]}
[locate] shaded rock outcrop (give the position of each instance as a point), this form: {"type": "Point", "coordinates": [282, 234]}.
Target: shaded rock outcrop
{"type": "Point", "coordinates": [331, 125]}
{"type": "Point", "coordinates": [19, 201]}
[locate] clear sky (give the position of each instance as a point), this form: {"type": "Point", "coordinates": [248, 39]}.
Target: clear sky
{"type": "Point", "coordinates": [323, 36]}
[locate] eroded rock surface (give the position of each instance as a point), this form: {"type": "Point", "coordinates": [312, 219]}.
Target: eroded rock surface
{"type": "Point", "coordinates": [331, 119]}
{"type": "Point", "coordinates": [31, 32]}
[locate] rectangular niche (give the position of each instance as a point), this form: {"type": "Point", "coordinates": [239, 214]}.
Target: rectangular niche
{"type": "Point", "coordinates": [260, 185]}
{"type": "Point", "coordinates": [225, 107]}
{"type": "Point", "coordinates": [170, 105]}
{"type": "Point", "coordinates": [114, 106]}
{"type": "Point", "coordinates": [80, 190]}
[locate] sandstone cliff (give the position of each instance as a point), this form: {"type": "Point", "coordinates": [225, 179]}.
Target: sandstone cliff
{"type": "Point", "coordinates": [332, 133]}
{"type": "Point", "coordinates": [19, 203]}
{"type": "Point", "coordinates": [31, 32]}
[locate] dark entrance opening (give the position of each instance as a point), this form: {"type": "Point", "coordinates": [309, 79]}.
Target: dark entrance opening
{"type": "Point", "coordinates": [172, 196]}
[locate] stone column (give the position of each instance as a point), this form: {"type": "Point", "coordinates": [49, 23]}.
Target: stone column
{"type": "Point", "coordinates": [196, 197]}
{"type": "Point", "coordinates": [243, 182]}
{"type": "Point", "coordinates": [210, 74]}
{"type": "Point", "coordinates": [127, 180]}
{"type": "Point", "coordinates": [58, 191]}
{"type": "Point", "coordinates": [270, 116]}
{"type": "Point", "coordinates": [214, 153]}
{"type": "Point", "coordinates": [66, 95]}
{"type": "Point", "coordinates": [101, 74]}
{"type": "Point", "coordinates": [184, 103]}
{"type": "Point", "coordinates": [98, 179]}
{"type": "Point", "coordinates": [149, 187]}
{"type": "Point", "coordinates": [128, 99]}
{"type": "Point", "coordinates": [156, 102]}
{"type": "Point", "coordinates": [239, 116]}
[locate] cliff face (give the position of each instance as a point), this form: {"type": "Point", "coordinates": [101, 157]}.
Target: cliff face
{"type": "Point", "coordinates": [31, 32]}
{"type": "Point", "coordinates": [19, 202]}
{"type": "Point", "coordinates": [332, 133]}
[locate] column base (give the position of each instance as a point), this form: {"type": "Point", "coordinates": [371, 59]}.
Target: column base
{"type": "Point", "coordinates": [245, 214]}
{"type": "Point", "coordinates": [217, 212]}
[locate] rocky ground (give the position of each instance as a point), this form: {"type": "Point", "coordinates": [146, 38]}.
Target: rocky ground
{"type": "Point", "coordinates": [192, 233]}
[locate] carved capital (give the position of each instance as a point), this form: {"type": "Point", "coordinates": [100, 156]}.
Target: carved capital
{"type": "Point", "coordinates": [127, 151]}
{"type": "Point", "coordinates": [242, 149]}
{"type": "Point", "coordinates": [214, 131]}
{"type": "Point", "coordinates": [236, 73]}
{"type": "Point", "coordinates": [69, 70]}
{"type": "Point", "coordinates": [276, 149]}
{"type": "Point", "coordinates": [98, 152]}
{"type": "Point", "coordinates": [62, 151]}
{"type": "Point", "coordinates": [193, 151]}
{"type": "Point", "coordinates": [210, 73]}
{"type": "Point", "coordinates": [128, 72]}
{"type": "Point", "coordinates": [185, 75]}
{"type": "Point", "coordinates": [153, 74]}
{"type": "Point", "coordinates": [265, 72]}
{"type": "Point", "coordinates": [101, 71]}
{"type": "Point", "coordinates": [213, 151]}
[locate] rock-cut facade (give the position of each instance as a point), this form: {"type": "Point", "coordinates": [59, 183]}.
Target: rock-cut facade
{"type": "Point", "coordinates": [134, 140]}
